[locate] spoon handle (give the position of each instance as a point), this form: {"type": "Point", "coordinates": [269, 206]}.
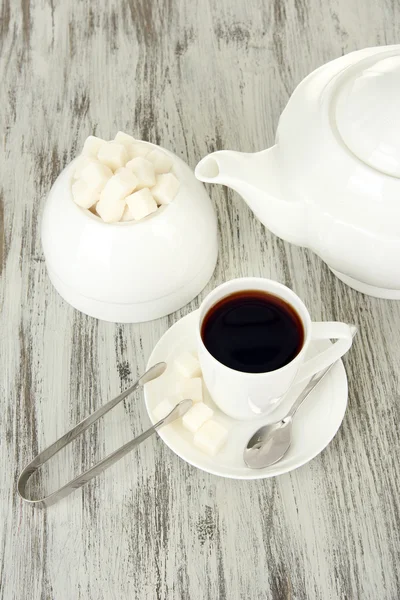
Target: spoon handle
{"type": "Point", "coordinates": [314, 381]}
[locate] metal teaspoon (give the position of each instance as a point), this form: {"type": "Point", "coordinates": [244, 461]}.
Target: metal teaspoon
{"type": "Point", "coordinates": [269, 444]}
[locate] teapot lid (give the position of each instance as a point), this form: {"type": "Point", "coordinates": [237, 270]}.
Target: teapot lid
{"type": "Point", "coordinates": [368, 112]}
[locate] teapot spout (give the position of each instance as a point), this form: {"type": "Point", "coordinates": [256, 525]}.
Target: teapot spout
{"type": "Point", "coordinates": [256, 178]}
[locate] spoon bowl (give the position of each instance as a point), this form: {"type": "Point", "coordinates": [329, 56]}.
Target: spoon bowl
{"type": "Point", "coordinates": [269, 444]}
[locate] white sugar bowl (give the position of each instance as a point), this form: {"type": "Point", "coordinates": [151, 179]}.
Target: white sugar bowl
{"type": "Point", "coordinates": [132, 271]}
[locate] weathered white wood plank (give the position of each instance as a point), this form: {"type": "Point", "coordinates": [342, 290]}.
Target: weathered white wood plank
{"type": "Point", "coordinates": [194, 77]}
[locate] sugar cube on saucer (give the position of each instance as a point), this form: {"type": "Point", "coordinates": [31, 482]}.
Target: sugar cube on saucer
{"type": "Point", "coordinates": [191, 388]}
{"type": "Point", "coordinates": [187, 365]}
{"type": "Point", "coordinates": [166, 188]}
{"type": "Point", "coordinates": [197, 416]}
{"type": "Point", "coordinates": [84, 196]}
{"type": "Point", "coordinates": [92, 146]}
{"type": "Point", "coordinates": [210, 437]}
{"type": "Point", "coordinates": [161, 161]}
{"type": "Point", "coordinates": [141, 204]}
{"type": "Point", "coordinates": [144, 171]}
{"type": "Point", "coordinates": [113, 154]}
{"type": "Point", "coordinates": [164, 408]}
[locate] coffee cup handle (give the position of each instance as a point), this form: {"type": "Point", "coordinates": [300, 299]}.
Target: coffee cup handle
{"type": "Point", "coordinates": [328, 330]}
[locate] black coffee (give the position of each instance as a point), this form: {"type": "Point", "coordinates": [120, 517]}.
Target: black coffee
{"type": "Point", "coordinates": [253, 332]}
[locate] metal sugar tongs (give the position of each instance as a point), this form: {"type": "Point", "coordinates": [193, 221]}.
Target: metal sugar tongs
{"type": "Point", "coordinates": [177, 412]}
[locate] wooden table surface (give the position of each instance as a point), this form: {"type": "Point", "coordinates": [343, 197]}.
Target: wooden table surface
{"type": "Point", "coordinates": [193, 77]}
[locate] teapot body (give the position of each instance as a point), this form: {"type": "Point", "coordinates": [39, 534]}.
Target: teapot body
{"type": "Point", "coordinates": [352, 221]}
{"type": "Point", "coordinates": [331, 182]}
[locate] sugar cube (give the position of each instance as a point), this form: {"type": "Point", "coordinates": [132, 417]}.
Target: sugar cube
{"type": "Point", "coordinates": [127, 176]}
{"type": "Point", "coordinates": [187, 365]}
{"type": "Point", "coordinates": [161, 161]}
{"type": "Point", "coordinates": [141, 204]}
{"type": "Point", "coordinates": [210, 437]}
{"type": "Point", "coordinates": [80, 163]}
{"type": "Point", "coordinates": [113, 154]}
{"type": "Point", "coordinates": [139, 149]}
{"type": "Point", "coordinates": [164, 408]}
{"type": "Point", "coordinates": [111, 205]}
{"type": "Point", "coordinates": [127, 215]}
{"type": "Point", "coordinates": [110, 209]}
{"type": "Point", "coordinates": [124, 139]}
{"type": "Point", "coordinates": [166, 188]}
{"type": "Point", "coordinates": [197, 416]}
{"type": "Point", "coordinates": [92, 146]}
{"type": "Point", "coordinates": [83, 195]}
{"type": "Point", "coordinates": [121, 184]}
{"type": "Point", "coordinates": [191, 388]}
{"type": "Point", "coordinates": [144, 171]}
{"type": "Point", "coordinates": [96, 175]}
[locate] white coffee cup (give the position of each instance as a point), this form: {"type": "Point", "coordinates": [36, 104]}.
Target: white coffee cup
{"type": "Point", "coordinates": [246, 396]}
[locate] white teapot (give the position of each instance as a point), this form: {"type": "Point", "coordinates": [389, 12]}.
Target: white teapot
{"type": "Point", "coordinates": [332, 181]}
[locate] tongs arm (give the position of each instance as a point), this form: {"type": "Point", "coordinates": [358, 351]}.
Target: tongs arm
{"type": "Point", "coordinates": [73, 433]}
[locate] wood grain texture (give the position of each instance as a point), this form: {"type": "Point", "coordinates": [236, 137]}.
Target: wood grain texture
{"type": "Point", "coordinates": [194, 77]}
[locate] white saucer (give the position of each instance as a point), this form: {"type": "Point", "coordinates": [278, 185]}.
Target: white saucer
{"type": "Point", "coordinates": [314, 426]}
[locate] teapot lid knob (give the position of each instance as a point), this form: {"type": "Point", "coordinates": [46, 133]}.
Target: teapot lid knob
{"type": "Point", "coordinates": [367, 111]}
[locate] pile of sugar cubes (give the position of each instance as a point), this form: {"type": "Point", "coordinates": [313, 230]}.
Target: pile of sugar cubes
{"type": "Point", "coordinates": [124, 179]}
{"type": "Point", "coordinates": [209, 435]}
